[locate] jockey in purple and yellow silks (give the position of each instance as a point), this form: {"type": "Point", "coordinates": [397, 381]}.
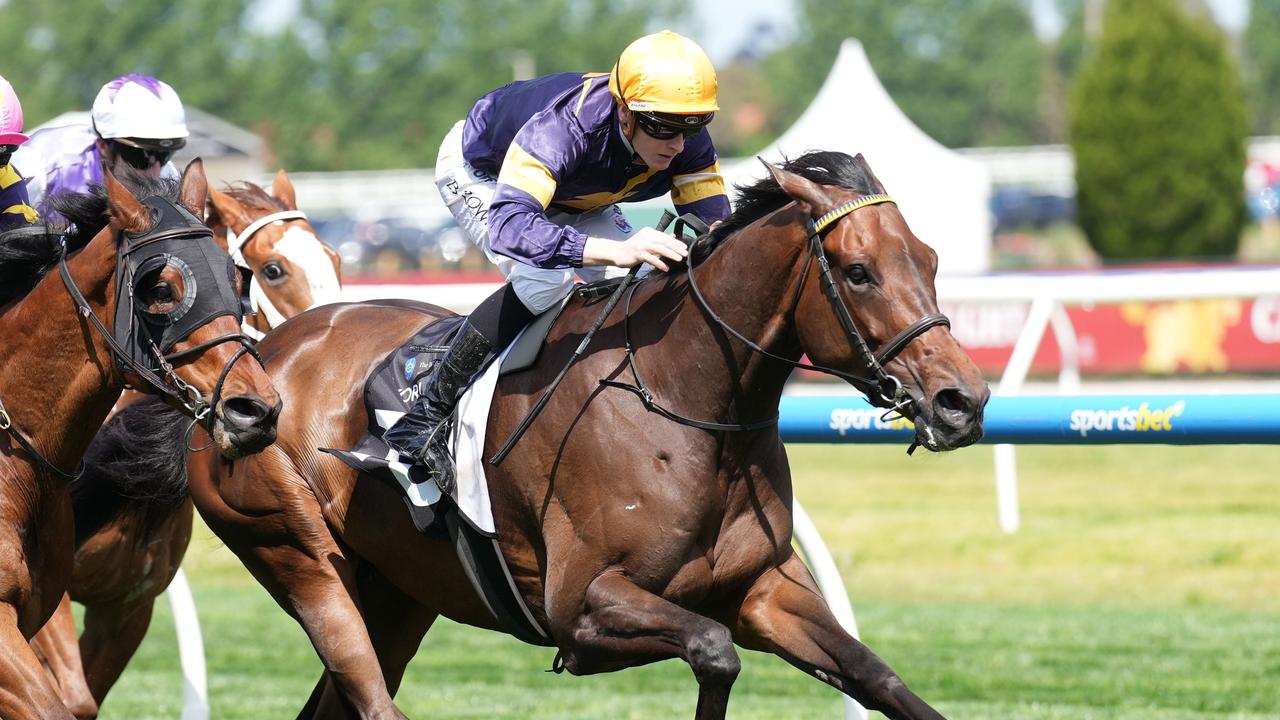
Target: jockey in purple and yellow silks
{"type": "Point", "coordinates": [15, 207]}
{"type": "Point", "coordinates": [136, 120]}
{"type": "Point", "coordinates": [533, 176]}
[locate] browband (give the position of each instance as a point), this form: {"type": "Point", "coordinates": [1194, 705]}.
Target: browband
{"type": "Point", "coordinates": [849, 207]}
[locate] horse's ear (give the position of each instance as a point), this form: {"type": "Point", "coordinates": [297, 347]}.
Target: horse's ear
{"type": "Point", "coordinates": [876, 185]}
{"type": "Point", "coordinates": [126, 212]}
{"type": "Point", "coordinates": [283, 191]}
{"type": "Point", "coordinates": [231, 211]}
{"type": "Point", "coordinates": [809, 196]}
{"type": "Point", "coordinates": [195, 188]}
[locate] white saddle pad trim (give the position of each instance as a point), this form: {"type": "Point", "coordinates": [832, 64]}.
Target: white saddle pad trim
{"type": "Point", "coordinates": [468, 446]}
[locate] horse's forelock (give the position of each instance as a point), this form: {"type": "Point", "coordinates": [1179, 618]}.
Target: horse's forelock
{"type": "Point", "coordinates": [253, 196]}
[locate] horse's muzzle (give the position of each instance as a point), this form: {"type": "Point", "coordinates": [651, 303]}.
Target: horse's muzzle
{"type": "Point", "coordinates": [953, 419]}
{"type": "Point", "coordinates": [246, 425]}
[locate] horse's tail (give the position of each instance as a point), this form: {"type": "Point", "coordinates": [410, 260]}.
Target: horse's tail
{"type": "Point", "coordinates": [136, 463]}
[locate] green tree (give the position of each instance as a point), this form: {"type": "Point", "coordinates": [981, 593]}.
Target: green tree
{"type": "Point", "coordinates": [60, 52]}
{"type": "Point", "coordinates": [345, 84]}
{"type": "Point", "coordinates": [937, 58]}
{"type": "Point", "coordinates": [1262, 50]}
{"type": "Point", "coordinates": [365, 84]}
{"type": "Point", "coordinates": [1158, 129]}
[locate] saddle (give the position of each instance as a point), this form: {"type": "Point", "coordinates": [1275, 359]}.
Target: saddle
{"type": "Point", "coordinates": [399, 379]}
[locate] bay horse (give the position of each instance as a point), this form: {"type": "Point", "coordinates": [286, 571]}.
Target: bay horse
{"type": "Point", "coordinates": [632, 536]}
{"type": "Point", "coordinates": [133, 516]}
{"type": "Point", "coordinates": [145, 300]}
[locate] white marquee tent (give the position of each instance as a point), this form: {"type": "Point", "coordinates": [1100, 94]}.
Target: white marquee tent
{"type": "Point", "coordinates": [942, 194]}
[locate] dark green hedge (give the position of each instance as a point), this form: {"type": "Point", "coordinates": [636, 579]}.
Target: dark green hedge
{"type": "Point", "coordinates": [1158, 128]}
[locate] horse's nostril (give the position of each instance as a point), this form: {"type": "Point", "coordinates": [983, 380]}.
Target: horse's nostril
{"type": "Point", "coordinates": [245, 411]}
{"type": "Point", "coordinates": [954, 400]}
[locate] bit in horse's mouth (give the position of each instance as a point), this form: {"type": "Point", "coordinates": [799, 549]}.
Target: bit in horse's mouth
{"type": "Point", "coordinates": [929, 440]}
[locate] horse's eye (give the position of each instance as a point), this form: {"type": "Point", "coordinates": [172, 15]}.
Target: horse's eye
{"type": "Point", "coordinates": [273, 270]}
{"type": "Point", "coordinates": [857, 274]}
{"type": "Point", "coordinates": [162, 293]}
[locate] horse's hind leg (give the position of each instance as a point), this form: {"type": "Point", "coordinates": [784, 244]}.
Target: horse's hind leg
{"type": "Point", "coordinates": [623, 625]}
{"type": "Point", "coordinates": [783, 613]}
{"type": "Point", "coordinates": [396, 625]}
{"type": "Point", "coordinates": [59, 649]}
{"type": "Point", "coordinates": [112, 633]}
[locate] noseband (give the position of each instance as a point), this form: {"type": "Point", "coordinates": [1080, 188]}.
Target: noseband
{"type": "Point", "coordinates": [881, 388]}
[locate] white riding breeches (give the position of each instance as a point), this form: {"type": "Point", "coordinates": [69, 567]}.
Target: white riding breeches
{"type": "Point", "coordinates": [468, 193]}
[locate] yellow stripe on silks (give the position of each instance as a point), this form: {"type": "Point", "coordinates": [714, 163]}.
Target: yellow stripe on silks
{"type": "Point", "coordinates": [524, 172]}
{"type": "Point", "coordinates": [587, 203]}
{"type": "Point", "coordinates": [8, 176]}
{"type": "Point", "coordinates": [692, 187]}
{"type": "Point", "coordinates": [25, 211]}
{"type": "Point", "coordinates": [586, 85]}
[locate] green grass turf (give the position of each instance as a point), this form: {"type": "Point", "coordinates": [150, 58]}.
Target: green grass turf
{"type": "Point", "coordinates": [1144, 584]}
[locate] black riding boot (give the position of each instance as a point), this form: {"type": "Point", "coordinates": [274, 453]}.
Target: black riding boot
{"type": "Point", "coordinates": [422, 433]}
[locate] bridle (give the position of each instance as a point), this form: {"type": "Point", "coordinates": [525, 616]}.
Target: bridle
{"type": "Point", "coordinates": [173, 223]}
{"type": "Point", "coordinates": [881, 387]}
{"type": "Point", "coordinates": [253, 298]}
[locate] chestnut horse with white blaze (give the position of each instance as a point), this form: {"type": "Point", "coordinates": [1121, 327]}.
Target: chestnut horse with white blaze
{"type": "Point", "coordinates": [646, 514]}
{"type": "Point", "coordinates": [133, 516]}
{"type": "Point", "coordinates": [74, 339]}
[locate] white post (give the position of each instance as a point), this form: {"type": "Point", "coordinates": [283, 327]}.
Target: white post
{"type": "Point", "coordinates": [195, 693]}
{"type": "Point", "coordinates": [827, 575]}
{"type": "Point", "coordinates": [1024, 351]}
{"type": "Point", "coordinates": [1068, 350]}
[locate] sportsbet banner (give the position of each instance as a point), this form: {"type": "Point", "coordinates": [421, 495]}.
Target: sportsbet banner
{"type": "Point", "coordinates": [1068, 419]}
{"type": "Point", "coordinates": [1185, 336]}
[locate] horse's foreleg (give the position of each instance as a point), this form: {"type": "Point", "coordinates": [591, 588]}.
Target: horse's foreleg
{"type": "Point", "coordinates": [396, 625]}
{"type": "Point", "coordinates": [26, 688]}
{"type": "Point", "coordinates": [288, 548]}
{"type": "Point", "coordinates": [624, 625]}
{"type": "Point", "coordinates": [783, 613]}
{"type": "Point", "coordinates": [315, 585]}
{"type": "Point", "coordinates": [57, 646]}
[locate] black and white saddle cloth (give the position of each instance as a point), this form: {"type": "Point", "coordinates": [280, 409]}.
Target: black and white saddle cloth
{"type": "Point", "coordinates": [393, 387]}
{"type": "Point", "coordinates": [464, 516]}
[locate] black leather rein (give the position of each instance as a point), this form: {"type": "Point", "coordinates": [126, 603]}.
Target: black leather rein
{"type": "Point", "coordinates": [882, 388]}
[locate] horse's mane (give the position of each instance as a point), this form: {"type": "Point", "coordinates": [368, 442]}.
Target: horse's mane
{"type": "Point", "coordinates": [764, 196]}
{"type": "Point", "coordinates": [253, 196]}
{"type": "Point", "coordinates": [26, 258]}
{"type": "Point", "coordinates": [138, 455]}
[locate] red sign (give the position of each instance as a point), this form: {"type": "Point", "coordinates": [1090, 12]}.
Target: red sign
{"type": "Point", "coordinates": [1162, 338]}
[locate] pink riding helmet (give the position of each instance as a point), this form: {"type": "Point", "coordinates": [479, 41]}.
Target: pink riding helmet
{"type": "Point", "coordinates": [10, 116]}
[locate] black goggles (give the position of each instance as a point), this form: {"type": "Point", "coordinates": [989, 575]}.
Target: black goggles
{"type": "Point", "coordinates": [666, 126]}
{"type": "Point", "coordinates": [8, 149]}
{"type": "Point", "coordinates": [143, 158]}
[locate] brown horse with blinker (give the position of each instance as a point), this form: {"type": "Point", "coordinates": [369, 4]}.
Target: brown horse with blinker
{"type": "Point", "coordinates": [632, 536]}
{"type": "Point", "coordinates": [132, 512]}
{"type": "Point", "coordinates": [68, 356]}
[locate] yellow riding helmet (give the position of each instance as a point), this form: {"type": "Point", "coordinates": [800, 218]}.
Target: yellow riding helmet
{"type": "Point", "coordinates": [665, 73]}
